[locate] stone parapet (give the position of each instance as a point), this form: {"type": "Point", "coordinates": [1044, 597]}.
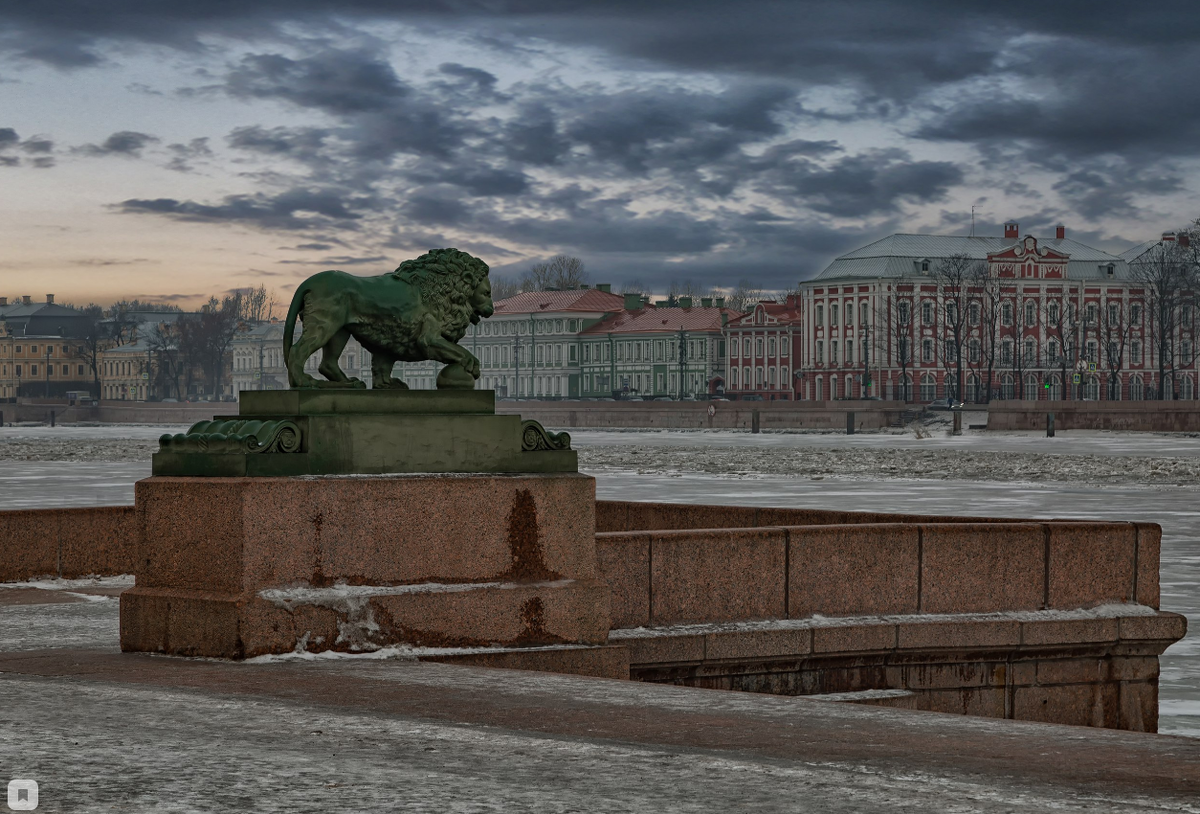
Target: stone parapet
{"type": "Point", "coordinates": [67, 543]}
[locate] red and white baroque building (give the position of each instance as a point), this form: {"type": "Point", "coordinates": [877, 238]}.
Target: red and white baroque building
{"type": "Point", "coordinates": [1070, 321]}
{"type": "Point", "coordinates": [764, 346]}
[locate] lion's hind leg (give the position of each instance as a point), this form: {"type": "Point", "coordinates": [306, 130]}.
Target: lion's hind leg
{"type": "Point", "coordinates": [329, 367]}
{"type": "Point", "coordinates": [317, 332]}
{"type": "Point", "coordinates": [381, 373]}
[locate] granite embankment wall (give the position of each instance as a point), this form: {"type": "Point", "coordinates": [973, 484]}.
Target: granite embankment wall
{"type": "Point", "coordinates": [742, 415]}
{"type": "Point", "coordinates": [1052, 621]}
{"type": "Point", "coordinates": [67, 543]}
{"type": "Point", "coordinates": [1138, 416]}
{"type": "Point", "coordinates": [818, 415]}
{"type": "Point", "coordinates": [1048, 621]}
{"type": "Point", "coordinates": [115, 412]}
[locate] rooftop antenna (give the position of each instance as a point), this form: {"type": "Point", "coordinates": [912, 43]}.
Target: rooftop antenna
{"type": "Point", "coordinates": [972, 220]}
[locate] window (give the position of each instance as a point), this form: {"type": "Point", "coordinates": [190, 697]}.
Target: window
{"type": "Point", "coordinates": [758, 347]}
{"type": "Point", "coordinates": [1030, 312]}
{"type": "Point", "coordinates": [1052, 313]}
{"type": "Point", "coordinates": [1135, 314]}
{"type": "Point", "coordinates": [819, 319]}
{"type": "Point", "coordinates": [733, 348]}
{"type": "Point", "coordinates": [783, 377]}
{"type": "Point", "coordinates": [33, 349]}
{"type": "Point", "coordinates": [927, 350]}
{"type": "Point", "coordinates": [905, 350]}
{"type": "Point", "coordinates": [1112, 313]}
{"type": "Point", "coordinates": [849, 351]}
{"type": "Point", "coordinates": [1006, 313]}
{"type": "Point", "coordinates": [950, 351]}
{"type": "Point", "coordinates": [66, 370]}
{"type": "Point", "coordinates": [820, 355]}
{"type": "Point", "coordinates": [952, 312]}
{"type": "Point", "coordinates": [833, 353]}
{"type": "Point", "coordinates": [33, 370]}
{"type": "Point", "coordinates": [902, 312]}
{"type": "Point", "coordinates": [833, 313]}
{"type": "Point", "coordinates": [863, 314]}
{"type": "Point", "coordinates": [973, 351]}
{"type": "Point", "coordinates": [1006, 355]}
{"type": "Point", "coordinates": [926, 313]}
{"type": "Point", "coordinates": [973, 313]}
{"type": "Point", "coordinates": [1052, 351]}
{"type": "Point", "coordinates": [1090, 313]}
{"type": "Point", "coordinates": [849, 313]}
{"type": "Point", "coordinates": [1030, 352]}
{"type": "Point", "coordinates": [573, 353]}
{"type": "Point", "coordinates": [771, 347]}
{"type": "Point", "coordinates": [80, 373]}
{"type": "Point", "coordinates": [783, 346]}
{"type": "Point", "coordinates": [1092, 350]}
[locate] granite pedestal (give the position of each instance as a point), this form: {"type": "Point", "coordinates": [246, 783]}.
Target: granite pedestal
{"type": "Point", "coordinates": [490, 544]}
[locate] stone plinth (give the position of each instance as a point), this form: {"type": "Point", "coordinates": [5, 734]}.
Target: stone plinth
{"type": "Point", "coordinates": [238, 567]}
{"type": "Point", "coordinates": [341, 432]}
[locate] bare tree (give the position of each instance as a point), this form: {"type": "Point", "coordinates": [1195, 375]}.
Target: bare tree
{"type": "Point", "coordinates": [679, 289]}
{"type": "Point", "coordinates": [94, 340]}
{"type": "Point", "coordinates": [744, 296]}
{"type": "Point", "coordinates": [636, 286]}
{"type": "Point", "coordinates": [562, 272]}
{"type": "Point", "coordinates": [504, 287]}
{"type": "Point", "coordinates": [893, 337]}
{"type": "Point", "coordinates": [168, 357]}
{"type": "Point", "coordinates": [985, 296]}
{"type": "Point", "coordinates": [204, 338]}
{"type": "Point", "coordinates": [256, 304]}
{"type": "Point", "coordinates": [1168, 277]}
{"type": "Point", "coordinates": [954, 276]}
{"type": "Point", "coordinates": [1114, 332]}
{"type": "Point", "coordinates": [1061, 321]}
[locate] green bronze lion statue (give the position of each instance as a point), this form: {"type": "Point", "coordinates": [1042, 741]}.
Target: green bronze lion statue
{"type": "Point", "coordinates": [417, 312]}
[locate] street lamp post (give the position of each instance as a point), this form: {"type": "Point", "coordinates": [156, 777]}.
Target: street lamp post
{"type": "Point", "coordinates": [866, 350]}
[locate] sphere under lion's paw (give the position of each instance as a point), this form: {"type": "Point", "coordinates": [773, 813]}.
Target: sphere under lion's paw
{"type": "Point", "coordinates": [455, 377]}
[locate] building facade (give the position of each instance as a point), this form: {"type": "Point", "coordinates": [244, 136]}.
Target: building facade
{"type": "Point", "coordinates": [656, 352]}
{"type": "Point", "coordinates": [41, 352]}
{"type": "Point", "coordinates": [763, 345]}
{"type": "Point", "coordinates": [925, 317]}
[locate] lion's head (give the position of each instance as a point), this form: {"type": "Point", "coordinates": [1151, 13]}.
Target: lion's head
{"type": "Point", "coordinates": [453, 284]}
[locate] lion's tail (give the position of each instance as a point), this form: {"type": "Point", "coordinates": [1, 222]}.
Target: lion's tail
{"type": "Point", "coordinates": [295, 310]}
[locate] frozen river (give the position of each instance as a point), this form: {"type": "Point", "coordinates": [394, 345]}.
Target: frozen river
{"type": "Point", "coordinates": [1110, 476]}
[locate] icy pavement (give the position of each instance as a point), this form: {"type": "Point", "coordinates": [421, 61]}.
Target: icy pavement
{"type": "Point", "coordinates": [104, 731]}
{"type": "Point", "coordinates": [1077, 474]}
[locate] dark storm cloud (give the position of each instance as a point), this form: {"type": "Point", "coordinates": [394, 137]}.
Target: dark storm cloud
{"type": "Point", "coordinates": [183, 154]}
{"type": "Point", "coordinates": [338, 82]}
{"type": "Point", "coordinates": [292, 209]}
{"type": "Point", "coordinates": [125, 143]}
{"type": "Point", "coordinates": [8, 138]}
{"type": "Point", "coordinates": [868, 184]}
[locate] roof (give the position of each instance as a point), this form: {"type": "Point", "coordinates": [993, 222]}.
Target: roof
{"type": "Point", "coordinates": [663, 320]}
{"type": "Point", "coordinates": [893, 256]}
{"type": "Point", "coordinates": [537, 302]}
{"type": "Point", "coordinates": [782, 313]}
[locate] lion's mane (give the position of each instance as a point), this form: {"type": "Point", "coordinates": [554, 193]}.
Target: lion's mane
{"type": "Point", "coordinates": [446, 279]}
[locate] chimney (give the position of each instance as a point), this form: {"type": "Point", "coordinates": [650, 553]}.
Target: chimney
{"type": "Point", "coordinates": [720, 302]}
{"type": "Point", "coordinates": [1060, 232]}
{"type": "Point", "coordinates": [1184, 240]}
{"type": "Point", "coordinates": [3, 301]}
{"type": "Point", "coordinates": [633, 301]}
{"type": "Point", "coordinates": [49, 299]}
{"type": "Point", "coordinates": [706, 302]}
{"type": "Point", "coordinates": [605, 287]}
{"type": "Point", "coordinates": [645, 300]}
{"type": "Point", "coordinates": [685, 302]}
{"type": "Point", "coordinates": [1011, 229]}
{"type": "Point", "coordinates": [1168, 237]}
{"type": "Point", "coordinates": [26, 300]}
{"type": "Point", "coordinates": [791, 301]}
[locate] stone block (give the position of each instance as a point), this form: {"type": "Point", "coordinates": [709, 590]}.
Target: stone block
{"type": "Point", "coordinates": [1051, 632]}
{"type": "Point", "coordinates": [947, 675]}
{"type": "Point", "coordinates": [664, 516]}
{"type": "Point", "coordinates": [28, 544]}
{"type": "Point", "coordinates": [958, 635]}
{"type": "Point", "coordinates": [1090, 564]}
{"type": "Point", "coordinates": [99, 540]}
{"type": "Point", "coordinates": [1161, 627]}
{"type": "Point", "coordinates": [1023, 673]}
{"type": "Point", "coordinates": [611, 516]}
{"type": "Point", "coordinates": [805, 517]}
{"type": "Point", "coordinates": [854, 638]}
{"type": "Point", "coordinates": [663, 649]}
{"type": "Point", "coordinates": [986, 702]}
{"type": "Point", "coordinates": [1139, 706]}
{"type": "Point", "coordinates": [1149, 544]}
{"type": "Point", "coordinates": [603, 661]}
{"type": "Point", "coordinates": [852, 570]}
{"type": "Point", "coordinates": [239, 534]}
{"type": "Point", "coordinates": [979, 567]}
{"type": "Point", "coordinates": [1134, 668]}
{"type": "Point", "coordinates": [1074, 704]}
{"type": "Point", "coordinates": [623, 561]}
{"type": "Point", "coordinates": [757, 644]}
{"type": "Point", "coordinates": [1078, 670]}
{"type": "Point", "coordinates": [717, 576]}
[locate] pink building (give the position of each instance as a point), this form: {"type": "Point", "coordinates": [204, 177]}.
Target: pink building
{"type": "Point", "coordinates": [763, 345]}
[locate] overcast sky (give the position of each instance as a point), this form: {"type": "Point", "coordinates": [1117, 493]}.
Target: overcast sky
{"type": "Point", "coordinates": [176, 149]}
